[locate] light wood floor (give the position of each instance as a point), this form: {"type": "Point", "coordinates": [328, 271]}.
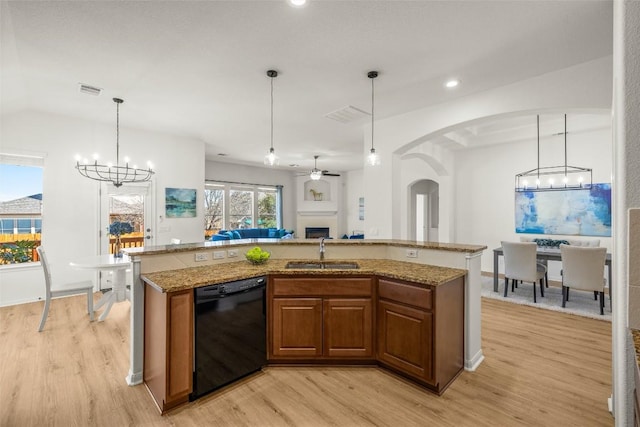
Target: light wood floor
{"type": "Point", "coordinates": [542, 368]}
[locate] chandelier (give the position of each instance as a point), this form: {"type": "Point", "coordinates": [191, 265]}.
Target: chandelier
{"type": "Point", "coordinates": [554, 178]}
{"type": "Point", "coordinates": [117, 174]}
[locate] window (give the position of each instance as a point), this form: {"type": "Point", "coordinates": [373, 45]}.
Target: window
{"type": "Point", "coordinates": [240, 209]}
{"type": "Point", "coordinates": [231, 206]}
{"type": "Point", "coordinates": [267, 217]}
{"type": "Point", "coordinates": [213, 209]}
{"type": "Point", "coordinates": [20, 208]}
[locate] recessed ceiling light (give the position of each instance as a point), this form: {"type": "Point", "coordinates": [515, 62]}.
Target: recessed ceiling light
{"type": "Point", "coordinates": [452, 83]}
{"type": "Point", "coordinates": [297, 3]}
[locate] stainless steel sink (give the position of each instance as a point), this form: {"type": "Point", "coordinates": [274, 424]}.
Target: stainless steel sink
{"type": "Point", "coordinates": [321, 265]}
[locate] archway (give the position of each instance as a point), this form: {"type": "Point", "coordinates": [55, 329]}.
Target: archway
{"type": "Point", "coordinates": [424, 208]}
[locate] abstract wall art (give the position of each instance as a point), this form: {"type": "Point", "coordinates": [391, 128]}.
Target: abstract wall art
{"type": "Point", "coordinates": [568, 212]}
{"type": "Point", "coordinates": [180, 203]}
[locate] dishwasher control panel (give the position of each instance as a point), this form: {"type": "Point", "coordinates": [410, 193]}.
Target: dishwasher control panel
{"type": "Point", "coordinates": [220, 290]}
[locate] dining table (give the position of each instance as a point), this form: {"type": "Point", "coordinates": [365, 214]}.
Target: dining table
{"type": "Point", "coordinates": [542, 253]}
{"type": "Point", "coordinates": [119, 267]}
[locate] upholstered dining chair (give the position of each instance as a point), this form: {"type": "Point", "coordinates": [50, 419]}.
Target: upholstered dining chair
{"type": "Point", "coordinates": [63, 290]}
{"type": "Point", "coordinates": [583, 268]}
{"type": "Point", "coordinates": [520, 265]}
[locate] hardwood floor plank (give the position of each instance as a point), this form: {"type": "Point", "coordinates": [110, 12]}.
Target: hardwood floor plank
{"type": "Point", "coordinates": [541, 368]}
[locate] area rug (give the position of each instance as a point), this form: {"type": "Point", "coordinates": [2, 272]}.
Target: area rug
{"type": "Point", "coordinates": [580, 303]}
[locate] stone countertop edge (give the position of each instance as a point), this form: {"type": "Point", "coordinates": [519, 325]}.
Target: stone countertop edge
{"type": "Point", "coordinates": [194, 277]}
{"type": "Point", "coordinates": [184, 247]}
{"type": "Point", "coordinates": [636, 344]}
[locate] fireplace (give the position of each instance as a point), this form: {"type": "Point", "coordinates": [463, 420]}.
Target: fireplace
{"type": "Point", "coordinates": [316, 232]}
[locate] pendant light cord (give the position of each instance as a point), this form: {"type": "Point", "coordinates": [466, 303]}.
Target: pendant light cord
{"type": "Point", "coordinates": [538, 127]}
{"type": "Point", "coordinates": [271, 114]}
{"type": "Point", "coordinates": [117, 134]}
{"type": "Point", "coordinates": [372, 112]}
{"type": "Point", "coordinates": [565, 145]}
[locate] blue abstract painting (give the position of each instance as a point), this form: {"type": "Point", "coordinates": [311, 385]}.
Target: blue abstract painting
{"type": "Point", "coordinates": [569, 212]}
{"type": "Point", "coordinates": [180, 203]}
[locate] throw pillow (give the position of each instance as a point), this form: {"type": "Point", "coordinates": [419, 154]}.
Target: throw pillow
{"type": "Point", "coordinates": [236, 234]}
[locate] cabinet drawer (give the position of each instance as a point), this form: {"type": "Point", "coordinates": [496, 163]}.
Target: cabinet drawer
{"type": "Point", "coordinates": [406, 294]}
{"type": "Point", "coordinates": [333, 286]}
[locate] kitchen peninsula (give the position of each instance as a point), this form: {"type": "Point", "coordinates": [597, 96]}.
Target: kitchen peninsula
{"type": "Point", "coordinates": [393, 276]}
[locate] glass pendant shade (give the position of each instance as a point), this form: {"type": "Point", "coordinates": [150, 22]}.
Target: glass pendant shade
{"type": "Point", "coordinates": [271, 159]}
{"type": "Point", "coordinates": [373, 158]}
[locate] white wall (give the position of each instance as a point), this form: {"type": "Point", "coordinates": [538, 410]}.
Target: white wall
{"type": "Point", "coordinates": [70, 215]}
{"type": "Point", "coordinates": [485, 208]}
{"type": "Point", "coordinates": [354, 189]}
{"type": "Point", "coordinates": [230, 172]}
{"type": "Point", "coordinates": [585, 86]}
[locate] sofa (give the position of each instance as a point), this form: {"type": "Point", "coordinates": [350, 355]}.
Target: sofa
{"type": "Point", "coordinates": [253, 233]}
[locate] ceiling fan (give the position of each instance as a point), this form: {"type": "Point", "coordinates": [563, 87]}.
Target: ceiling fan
{"type": "Point", "coordinates": [316, 173]}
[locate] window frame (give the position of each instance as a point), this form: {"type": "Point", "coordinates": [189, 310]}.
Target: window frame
{"type": "Point", "coordinates": [256, 189]}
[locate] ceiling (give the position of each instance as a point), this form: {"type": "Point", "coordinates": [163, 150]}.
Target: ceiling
{"type": "Point", "coordinates": [198, 69]}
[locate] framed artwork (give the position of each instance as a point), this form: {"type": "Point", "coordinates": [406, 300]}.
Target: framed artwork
{"type": "Point", "coordinates": [568, 212]}
{"type": "Point", "coordinates": [361, 208]}
{"type": "Point", "coordinates": [180, 203]}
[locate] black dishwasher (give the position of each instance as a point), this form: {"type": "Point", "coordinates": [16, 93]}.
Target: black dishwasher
{"type": "Point", "coordinates": [230, 333]}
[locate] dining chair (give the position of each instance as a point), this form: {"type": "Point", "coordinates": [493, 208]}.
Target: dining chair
{"type": "Point", "coordinates": [583, 268]}
{"type": "Point", "coordinates": [520, 265]}
{"type": "Point", "coordinates": [63, 290]}
{"type": "Point", "coordinates": [542, 263]}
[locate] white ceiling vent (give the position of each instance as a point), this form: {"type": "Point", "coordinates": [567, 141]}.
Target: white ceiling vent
{"type": "Point", "coordinates": [347, 114]}
{"type": "Point", "coordinates": [90, 90]}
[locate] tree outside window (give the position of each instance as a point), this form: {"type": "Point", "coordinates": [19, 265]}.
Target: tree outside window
{"type": "Point", "coordinates": [240, 209]}
{"type": "Point", "coordinates": [230, 206]}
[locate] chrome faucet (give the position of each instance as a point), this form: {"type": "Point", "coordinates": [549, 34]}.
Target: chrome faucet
{"type": "Point", "coordinates": [321, 248]}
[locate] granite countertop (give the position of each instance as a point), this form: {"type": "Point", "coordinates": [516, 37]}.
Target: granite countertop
{"type": "Point", "coordinates": [193, 277]}
{"type": "Point", "coordinates": [184, 247]}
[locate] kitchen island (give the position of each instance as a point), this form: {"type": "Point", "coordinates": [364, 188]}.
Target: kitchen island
{"type": "Point", "coordinates": [389, 265]}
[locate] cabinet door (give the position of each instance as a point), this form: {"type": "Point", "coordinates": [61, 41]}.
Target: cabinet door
{"type": "Point", "coordinates": [348, 328]}
{"type": "Point", "coordinates": [405, 339]}
{"type": "Point", "coordinates": [296, 327]}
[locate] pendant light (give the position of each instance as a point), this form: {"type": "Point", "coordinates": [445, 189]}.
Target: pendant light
{"type": "Point", "coordinates": [316, 173]}
{"type": "Point", "coordinates": [554, 178]}
{"type": "Point", "coordinates": [117, 174]}
{"type": "Point", "coordinates": [373, 158]}
{"type": "Point", "coordinates": [271, 159]}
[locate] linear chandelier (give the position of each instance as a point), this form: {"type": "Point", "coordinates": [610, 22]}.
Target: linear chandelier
{"type": "Point", "coordinates": [554, 178]}
{"type": "Point", "coordinates": [117, 174]}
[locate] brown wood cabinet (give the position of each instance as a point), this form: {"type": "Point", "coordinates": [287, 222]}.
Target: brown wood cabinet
{"type": "Point", "coordinates": [421, 330]}
{"type": "Point", "coordinates": [348, 327]}
{"type": "Point", "coordinates": [168, 346]}
{"type": "Point", "coordinates": [405, 338]}
{"type": "Point", "coordinates": [314, 318]}
{"type": "Point", "coordinates": [296, 327]}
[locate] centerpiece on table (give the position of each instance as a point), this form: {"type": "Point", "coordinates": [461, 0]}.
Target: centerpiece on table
{"type": "Point", "coordinates": [257, 256]}
{"type": "Point", "coordinates": [117, 229]}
